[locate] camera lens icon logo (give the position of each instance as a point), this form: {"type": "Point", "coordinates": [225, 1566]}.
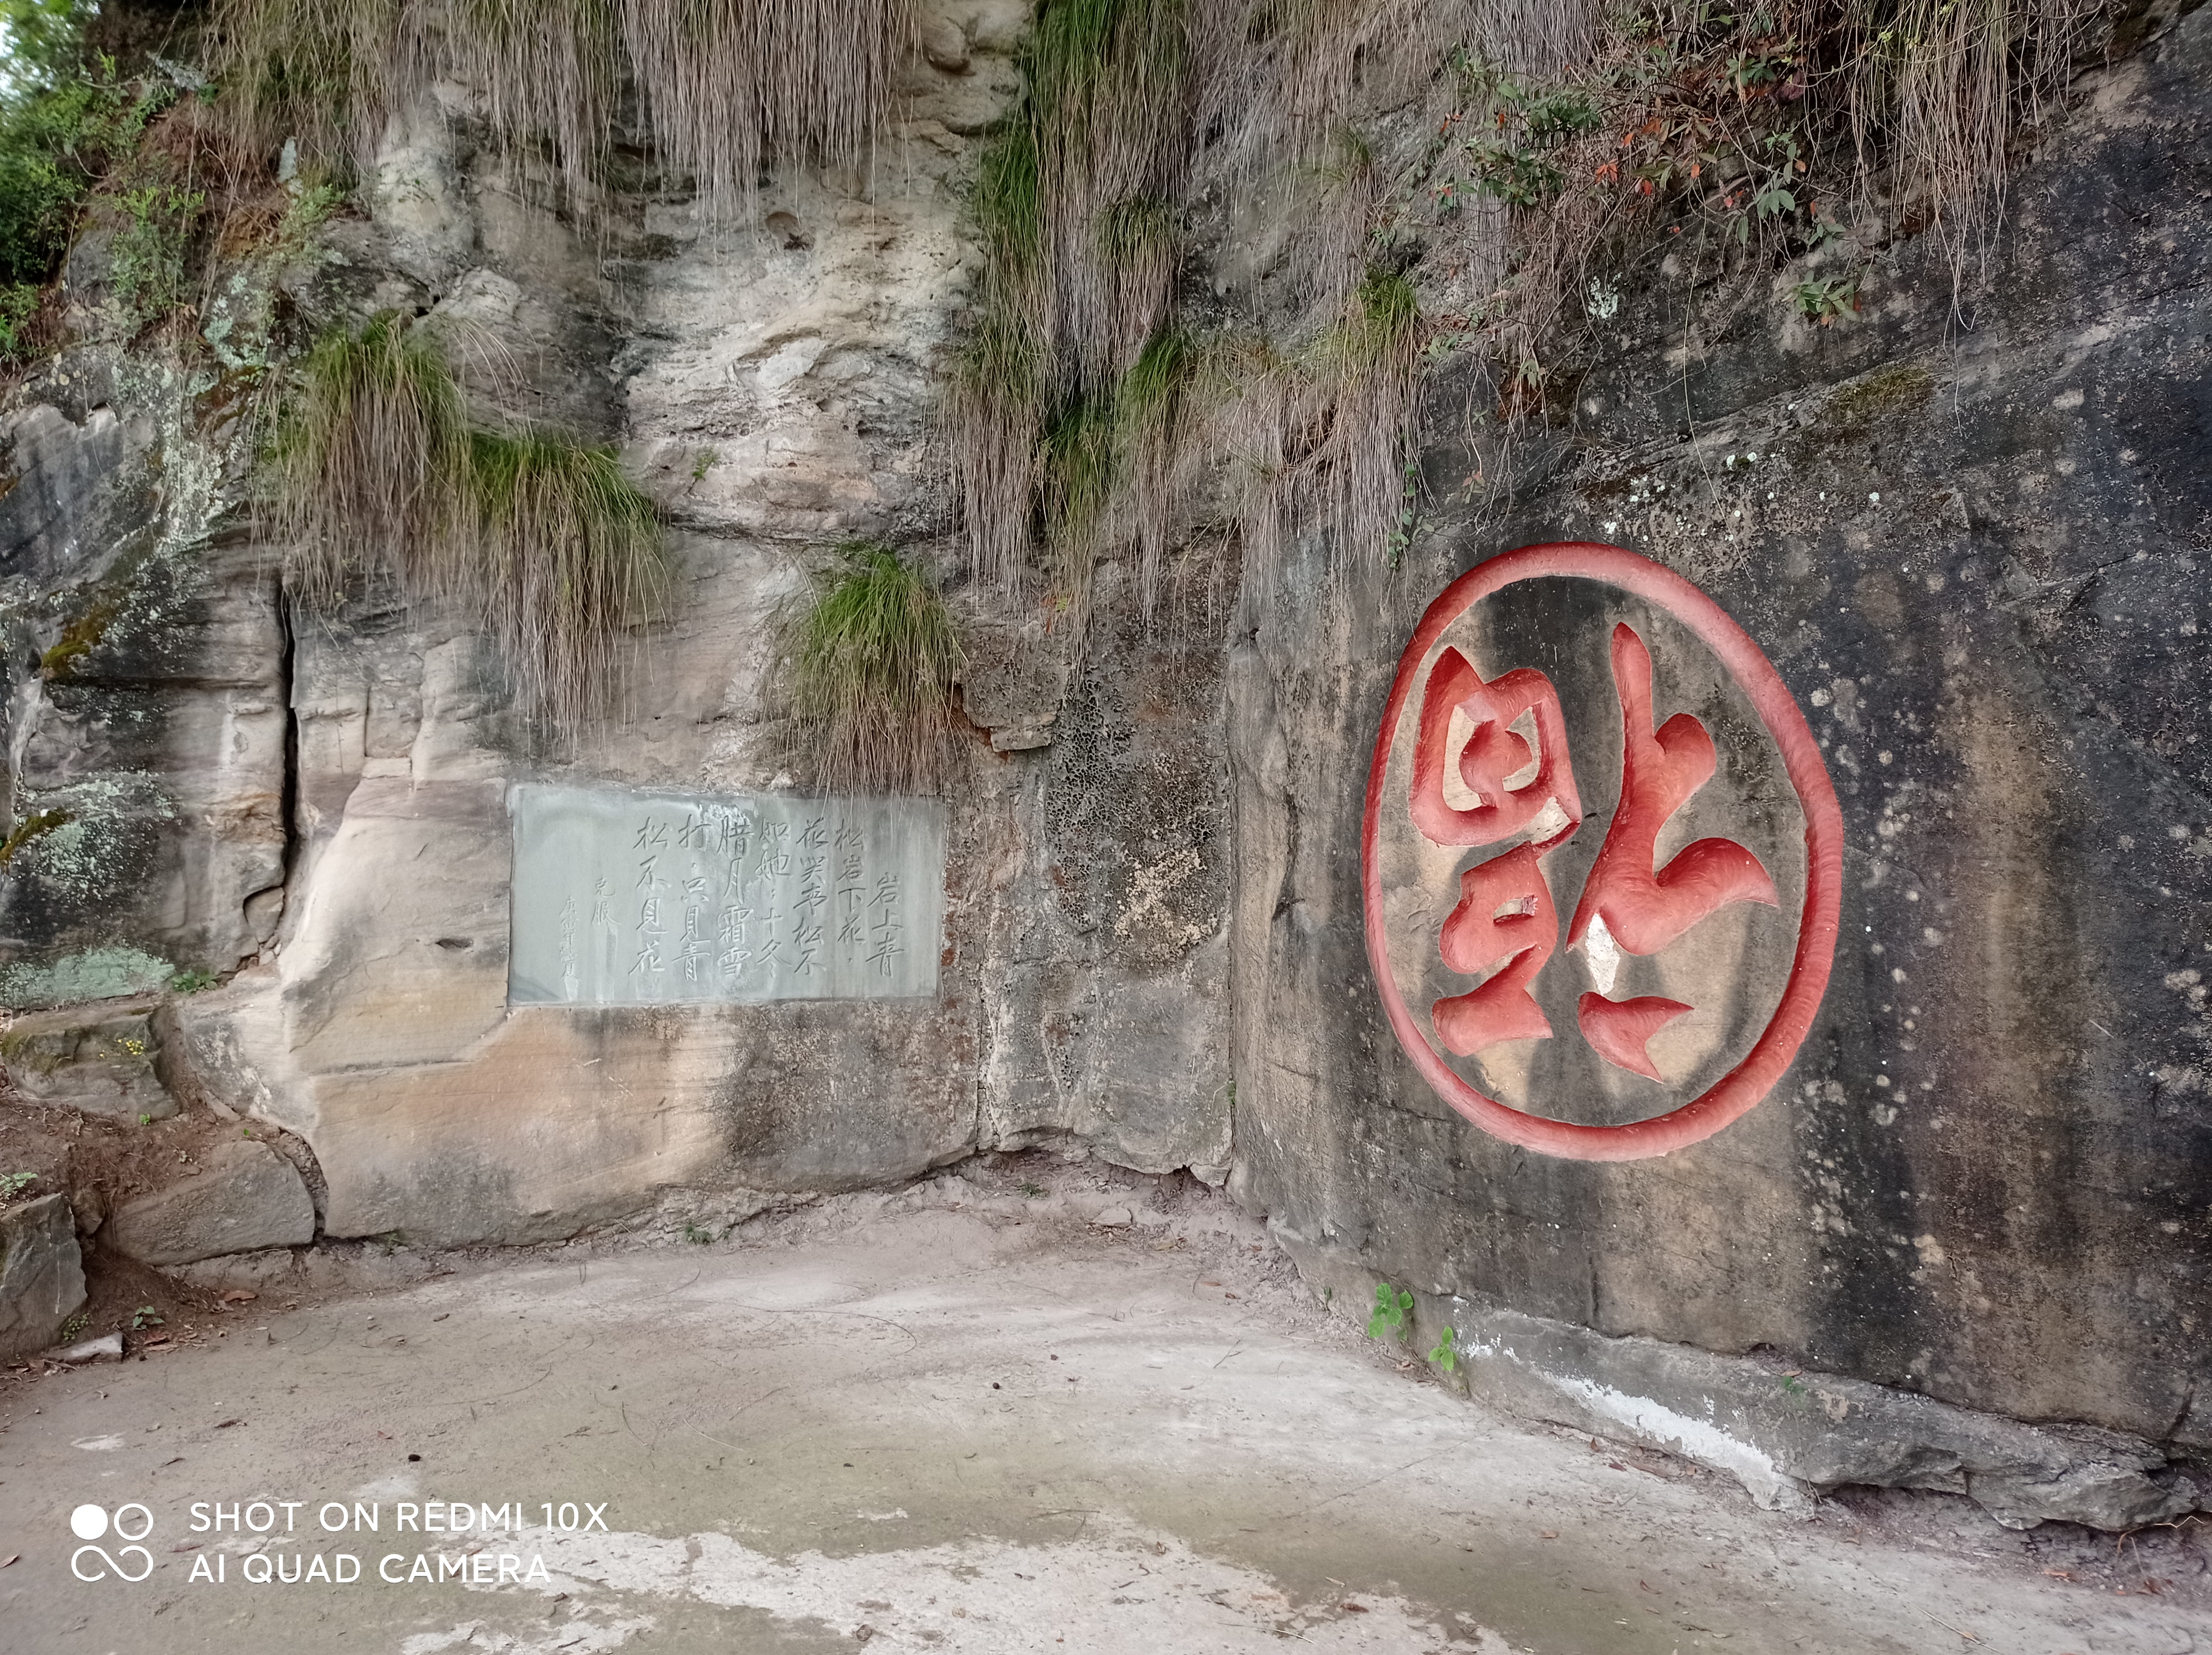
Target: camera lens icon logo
{"type": "Point", "coordinates": [129, 1522]}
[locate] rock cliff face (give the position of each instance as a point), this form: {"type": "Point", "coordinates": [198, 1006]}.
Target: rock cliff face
{"type": "Point", "coordinates": [1974, 541]}
{"type": "Point", "coordinates": [1968, 526]}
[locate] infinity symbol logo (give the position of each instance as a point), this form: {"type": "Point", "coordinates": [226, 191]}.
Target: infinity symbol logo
{"type": "Point", "coordinates": [76, 1563]}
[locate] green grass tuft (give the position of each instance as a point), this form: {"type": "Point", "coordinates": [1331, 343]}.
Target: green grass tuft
{"type": "Point", "coordinates": [874, 658]}
{"type": "Point", "coordinates": [570, 555]}
{"type": "Point", "coordinates": [370, 452]}
{"type": "Point", "coordinates": [378, 467]}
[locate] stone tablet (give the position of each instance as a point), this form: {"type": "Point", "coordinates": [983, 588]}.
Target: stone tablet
{"type": "Point", "coordinates": [623, 898]}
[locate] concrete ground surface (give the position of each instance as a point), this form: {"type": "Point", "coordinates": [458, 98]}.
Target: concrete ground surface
{"type": "Point", "coordinates": [949, 1422]}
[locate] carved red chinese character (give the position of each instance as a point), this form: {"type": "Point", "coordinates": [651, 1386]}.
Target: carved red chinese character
{"type": "Point", "coordinates": [1494, 753]}
{"type": "Point", "coordinates": [1504, 919]}
{"type": "Point", "coordinates": [1628, 903]}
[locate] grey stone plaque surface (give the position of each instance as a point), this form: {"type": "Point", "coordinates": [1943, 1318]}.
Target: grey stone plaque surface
{"type": "Point", "coordinates": [630, 898]}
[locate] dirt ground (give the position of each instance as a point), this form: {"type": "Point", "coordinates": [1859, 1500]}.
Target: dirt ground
{"type": "Point", "coordinates": [961, 1420]}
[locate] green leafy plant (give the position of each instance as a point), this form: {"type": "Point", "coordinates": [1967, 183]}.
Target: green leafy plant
{"type": "Point", "coordinates": [19, 304]}
{"type": "Point", "coordinates": [58, 139]}
{"type": "Point", "coordinates": [146, 1317]}
{"type": "Point", "coordinates": [73, 1329]}
{"type": "Point", "coordinates": [699, 1235]}
{"type": "Point", "coordinates": [1446, 1354]}
{"type": "Point", "coordinates": [192, 982]}
{"type": "Point", "coordinates": [146, 260]}
{"type": "Point", "coordinates": [13, 1184]}
{"type": "Point", "coordinates": [1826, 299]}
{"type": "Point", "coordinates": [1389, 1318]}
{"type": "Point", "coordinates": [874, 658]}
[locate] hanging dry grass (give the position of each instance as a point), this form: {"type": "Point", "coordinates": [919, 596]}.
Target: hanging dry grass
{"type": "Point", "coordinates": [369, 449]}
{"type": "Point", "coordinates": [1075, 205]}
{"type": "Point", "coordinates": [318, 75]}
{"type": "Point", "coordinates": [376, 467]}
{"type": "Point", "coordinates": [874, 661]}
{"type": "Point", "coordinates": [1370, 364]}
{"type": "Point", "coordinates": [569, 555]}
{"type": "Point", "coordinates": [727, 86]}
{"type": "Point", "coordinates": [1951, 89]}
{"type": "Point", "coordinates": [1159, 447]}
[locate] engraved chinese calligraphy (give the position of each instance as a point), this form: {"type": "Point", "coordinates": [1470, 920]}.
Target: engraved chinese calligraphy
{"type": "Point", "coordinates": [647, 899]}
{"type": "Point", "coordinates": [1562, 685]}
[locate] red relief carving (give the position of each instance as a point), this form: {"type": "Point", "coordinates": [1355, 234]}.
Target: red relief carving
{"type": "Point", "coordinates": [1493, 752]}
{"type": "Point", "coordinates": [1478, 936]}
{"type": "Point", "coordinates": [1618, 1031]}
{"type": "Point", "coordinates": [1645, 910]}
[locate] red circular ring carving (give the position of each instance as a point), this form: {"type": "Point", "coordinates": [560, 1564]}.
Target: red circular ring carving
{"type": "Point", "coordinates": [1750, 1080]}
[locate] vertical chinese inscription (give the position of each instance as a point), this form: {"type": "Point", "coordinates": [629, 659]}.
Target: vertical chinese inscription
{"type": "Point", "coordinates": [642, 900]}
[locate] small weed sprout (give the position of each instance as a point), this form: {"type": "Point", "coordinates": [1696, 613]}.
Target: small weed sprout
{"type": "Point", "coordinates": [1446, 1355]}
{"type": "Point", "coordinates": [73, 1329]}
{"type": "Point", "coordinates": [698, 1234]}
{"type": "Point", "coordinates": [191, 983]}
{"type": "Point", "coordinates": [13, 1184]}
{"type": "Point", "coordinates": [146, 1317]}
{"type": "Point", "coordinates": [1389, 1318]}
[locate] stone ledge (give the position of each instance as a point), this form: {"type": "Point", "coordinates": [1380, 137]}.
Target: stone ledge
{"type": "Point", "coordinates": [1785, 1435]}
